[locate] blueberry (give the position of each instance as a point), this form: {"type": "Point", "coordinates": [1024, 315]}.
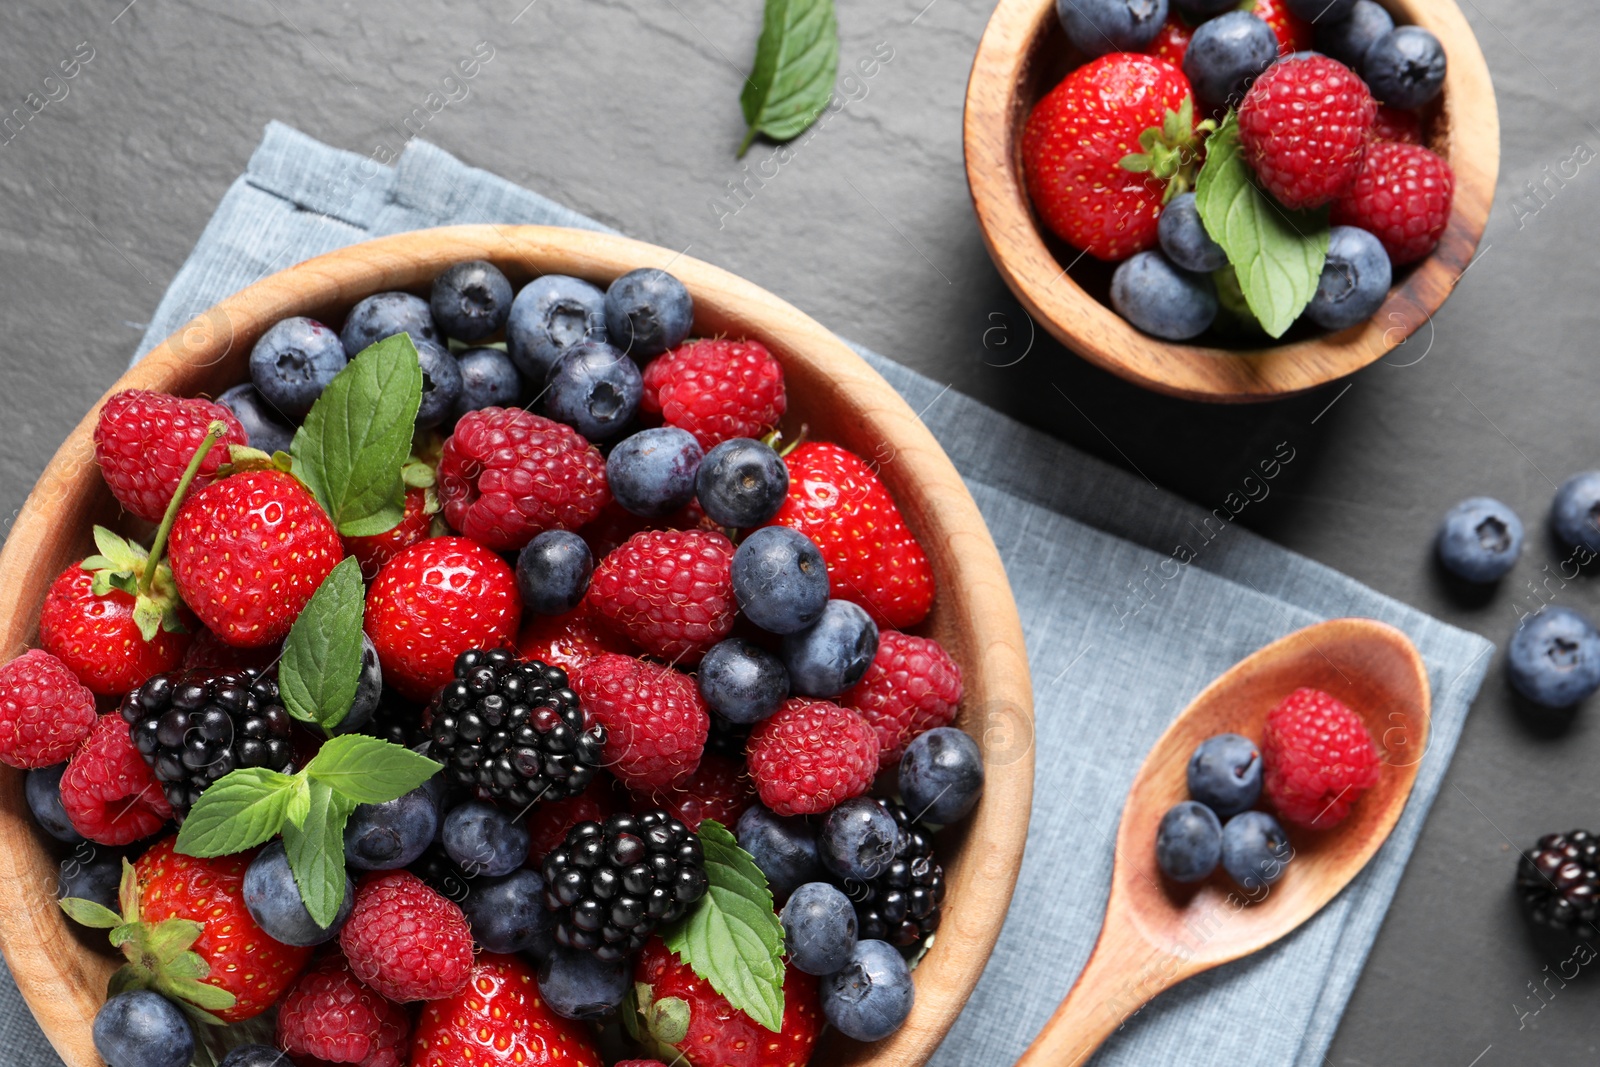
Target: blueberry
{"type": "Point", "coordinates": [819, 928]}
{"type": "Point", "coordinates": [941, 775]}
{"type": "Point", "coordinates": [441, 383]}
{"type": "Point", "coordinates": [578, 986]}
{"type": "Point", "coordinates": [652, 473]}
{"type": "Point", "coordinates": [1355, 279]}
{"type": "Point", "coordinates": [1188, 842]}
{"type": "Point", "coordinates": [742, 483]}
{"type": "Point", "coordinates": [595, 389]}
{"type": "Point", "coordinates": [142, 1029]}
{"type": "Point", "coordinates": [384, 315]}
{"type": "Point", "coordinates": [470, 301]}
{"type": "Point", "coordinates": [1575, 511]}
{"type": "Point", "coordinates": [1225, 774]}
{"type": "Point", "coordinates": [43, 789]}
{"type": "Point", "coordinates": [293, 362]}
{"type": "Point", "coordinates": [369, 691]}
{"type": "Point", "coordinates": [1226, 53]}
{"type": "Point", "coordinates": [1096, 27]}
{"type": "Point", "coordinates": [784, 847]}
{"type": "Point", "coordinates": [1348, 39]}
{"type": "Point", "coordinates": [488, 380]}
{"type": "Point", "coordinates": [507, 914]}
{"type": "Point", "coordinates": [871, 995]}
{"type": "Point", "coordinates": [263, 427]}
{"type": "Point", "coordinates": [92, 872]}
{"type": "Point", "coordinates": [1184, 238]}
{"type": "Point", "coordinates": [647, 312]}
{"type": "Point", "coordinates": [553, 572]}
{"type": "Point", "coordinates": [742, 682]}
{"type": "Point", "coordinates": [1480, 539]}
{"type": "Point", "coordinates": [1554, 658]}
{"type": "Point", "coordinates": [1405, 67]}
{"type": "Point", "coordinates": [1163, 300]}
{"type": "Point", "coordinates": [383, 837]}
{"type": "Point", "coordinates": [485, 841]}
{"type": "Point", "coordinates": [548, 317]}
{"type": "Point", "coordinates": [255, 1056]}
{"type": "Point", "coordinates": [1321, 11]}
{"type": "Point", "coordinates": [780, 580]}
{"type": "Point", "coordinates": [273, 899]}
{"type": "Point", "coordinates": [1255, 850]}
{"type": "Point", "coordinates": [858, 839]}
{"type": "Point", "coordinates": [831, 654]}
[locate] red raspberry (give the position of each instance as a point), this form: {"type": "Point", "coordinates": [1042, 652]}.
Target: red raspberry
{"type": "Point", "coordinates": [718, 789]}
{"type": "Point", "coordinates": [507, 474]}
{"type": "Point", "coordinates": [1303, 126]}
{"type": "Point", "coordinates": [96, 637]}
{"type": "Point", "coordinates": [668, 591]}
{"type": "Point", "coordinates": [568, 641]}
{"type": "Point", "coordinates": [550, 821]}
{"type": "Point", "coordinates": [911, 687]}
{"type": "Point", "coordinates": [405, 940]}
{"type": "Point", "coordinates": [110, 793]}
{"type": "Point", "coordinates": [1317, 759]}
{"type": "Point", "coordinates": [656, 723]}
{"type": "Point", "coordinates": [1402, 197]}
{"type": "Point", "coordinates": [810, 755]}
{"type": "Point", "coordinates": [45, 712]}
{"type": "Point", "coordinates": [329, 1014]}
{"type": "Point", "coordinates": [1393, 124]}
{"type": "Point", "coordinates": [373, 552]}
{"type": "Point", "coordinates": [143, 441]}
{"type": "Point", "coordinates": [717, 390]}
{"type": "Point", "coordinates": [209, 650]}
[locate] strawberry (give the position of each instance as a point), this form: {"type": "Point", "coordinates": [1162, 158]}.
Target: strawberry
{"type": "Point", "coordinates": [143, 442]}
{"type": "Point", "coordinates": [108, 790]}
{"type": "Point", "coordinates": [45, 712]}
{"type": "Point", "coordinates": [1172, 40]}
{"type": "Point", "coordinates": [374, 551]}
{"type": "Point", "coordinates": [1303, 126]}
{"type": "Point", "coordinates": [1402, 197]}
{"type": "Point", "coordinates": [716, 389]}
{"type": "Point", "coordinates": [718, 789]}
{"type": "Point", "coordinates": [568, 641]}
{"type": "Point", "coordinates": [499, 1018]}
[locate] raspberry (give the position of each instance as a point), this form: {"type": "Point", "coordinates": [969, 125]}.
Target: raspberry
{"type": "Point", "coordinates": [1303, 126]}
{"type": "Point", "coordinates": [668, 591]}
{"type": "Point", "coordinates": [717, 390]}
{"type": "Point", "coordinates": [405, 940]}
{"type": "Point", "coordinates": [374, 551]}
{"type": "Point", "coordinates": [110, 793]}
{"type": "Point", "coordinates": [1318, 759]}
{"type": "Point", "coordinates": [45, 712]}
{"type": "Point", "coordinates": [144, 440]}
{"type": "Point", "coordinates": [332, 1016]}
{"type": "Point", "coordinates": [507, 474]}
{"type": "Point", "coordinates": [718, 789]}
{"type": "Point", "coordinates": [810, 755]}
{"type": "Point", "coordinates": [911, 687]}
{"type": "Point", "coordinates": [1393, 124]}
{"type": "Point", "coordinates": [656, 723]}
{"type": "Point", "coordinates": [549, 822]}
{"type": "Point", "coordinates": [1402, 197]}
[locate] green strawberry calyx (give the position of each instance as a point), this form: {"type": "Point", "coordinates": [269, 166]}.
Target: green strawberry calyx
{"type": "Point", "coordinates": [1173, 151]}
{"type": "Point", "coordinates": [121, 564]}
{"type": "Point", "coordinates": [661, 1026]}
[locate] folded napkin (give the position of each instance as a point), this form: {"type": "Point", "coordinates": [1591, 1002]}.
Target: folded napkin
{"type": "Point", "coordinates": [1132, 600]}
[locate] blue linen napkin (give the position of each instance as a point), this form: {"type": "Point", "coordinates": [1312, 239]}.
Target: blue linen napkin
{"type": "Point", "coordinates": [1132, 600]}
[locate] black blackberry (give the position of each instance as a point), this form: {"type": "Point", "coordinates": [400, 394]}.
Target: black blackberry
{"type": "Point", "coordinates": [396, 720]}
{"type": "Point", "coordinates": [196, 726]}
{"type": "Point", "coordinates": [512, 729]}
{"type": "Point", "coordinates": [1559, 880]}
{"type": "Point", "coordinates": [613, 883]}
{"type": "Point", "coordinates": [901, 906]}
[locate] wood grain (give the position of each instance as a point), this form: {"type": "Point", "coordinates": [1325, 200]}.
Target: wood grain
{"type": "Point", "coordinates": [830, 389]}
{"type": "Point", "coordinates": [1024, 54]}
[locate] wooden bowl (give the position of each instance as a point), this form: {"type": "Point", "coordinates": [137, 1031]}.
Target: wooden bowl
{"type": "Point", "coordinates": [830, 389]}
{"type": "Point", "coordinates": [1024, 54]}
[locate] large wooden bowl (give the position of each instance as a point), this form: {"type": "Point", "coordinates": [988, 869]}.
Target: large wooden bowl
{"type": "Point", "coordinates": [63, 979]}
{"type": "Point", "coordinates": [1023, 55]}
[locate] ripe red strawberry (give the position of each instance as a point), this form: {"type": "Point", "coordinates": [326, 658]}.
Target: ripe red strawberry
{"type": "Point", "coordinates": [1393, 124]}
{"type": "Point", "coordinates": [329, 1014]}
{"type": "Point", "coordinates": [143, 441]}
{"type": "Point", "coordinates": [507, 474]}
{"type": "Point", "coordinates": [209, 650]}
{"type": "Point", "coordinates": [668, 591]}
{"type": "Point", "coordinates": [1317, 759]}
{"type": "Point", "coordinates": [911, 687]}
{"type": "Point", "coordinates": [499, 1019]}
{"type": "Point", "coordinates": [549, 822]}
{"type": "Point", "coordinates": [405, 940]}
{"type": "Point", "coordinates": [810, 755]}
{"type": "Point", "coordinates": [109, 791]}
{"type": "Point", "coordinates": [1172, 40]}
{"type": "Point", "coordinates": [568, 641]}
{"type": "Point", "coordinates": [1076, 139]}
{"type": "Point", "coordinates": [1294, 33]}
{"type": "Point", "coordinates": [873, 559]}
{"type": "Point", "coordinates": [640, 1063]}
{"type": "Point", "coordinates": [45, 712]}
{"type": "Point", "coordinates": [1402, 197]}
{"type": "Point", "coordinates": [716, 389]}
{"type": "Point", "coordinates": [656, 723]}
{"type": "Point", "coordinates": [718, 789]}
{"type": "Point", "coordinates": [374, 551]}
{"type": "Point", "coordinates": [715, 1033]}
{"type": "Point", "coordinates": [1303, 126]}
{"type": "Point", "coordinates": [247, 553]}
{"type": "Point", "coordinates": [434, 601]}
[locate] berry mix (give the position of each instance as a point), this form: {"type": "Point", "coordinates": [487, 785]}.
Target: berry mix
{"type": "Point", "coordinates": [497, 686]}
{"type": "Point", "coordinates": [1239, 180]}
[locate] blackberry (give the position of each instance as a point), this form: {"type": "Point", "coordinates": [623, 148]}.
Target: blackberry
{"type": "Point", "coordinates": [396, 720]}
{"type": "Point", "coordinates": [512, 729]}
{"type": "Point", "coordinates": [611, 884]}
{"type": "Point", "coordinates": [196, 726]}
{"type": "Point", "coordinates": [1558, 882]}
{"type": "Point", "coordinates": [901, 905]}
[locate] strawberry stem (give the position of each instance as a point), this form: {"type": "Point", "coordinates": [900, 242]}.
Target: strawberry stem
{"type": "Point", "coordinates": [159, 545]}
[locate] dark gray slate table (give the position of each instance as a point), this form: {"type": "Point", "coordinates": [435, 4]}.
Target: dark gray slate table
{"type": "Point", "coordinates": [628, 111]}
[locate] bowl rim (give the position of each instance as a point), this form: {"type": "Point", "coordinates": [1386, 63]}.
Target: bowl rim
{"type": "Point", "coordinates": [1467, 133]}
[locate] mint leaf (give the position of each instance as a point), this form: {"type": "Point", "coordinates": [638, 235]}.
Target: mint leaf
{"type": "Point", "coordinates": [368, 770]}
{"type": "Point", "coordinates": [1277, 254]}
{"type": "Point", "coordinates": [321, 666]}
{"type": "Point", "coordinates": [316, 852]}
{"type": "Point", "coordinates": [240, 810]}
{"type": "Point", "coordinates": [358, 435]}
{"type": "Point", "coordinates": [797, 60]}
{"type": "Point", "coordinates": [732, 938]}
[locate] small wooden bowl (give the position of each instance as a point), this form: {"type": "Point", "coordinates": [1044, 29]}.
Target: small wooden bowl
{"type": "Point", "coordinates": [1024, 54]}
{"type": "Point", "coordinates": [830, 389]}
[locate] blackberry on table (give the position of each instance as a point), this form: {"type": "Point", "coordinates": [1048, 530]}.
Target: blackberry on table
{"type": "Point", "coordinates": [1558, 881]}
{"type": "Point", "coordinates": [901, 905]}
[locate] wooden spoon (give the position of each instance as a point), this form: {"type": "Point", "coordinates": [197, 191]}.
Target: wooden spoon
{"type": "Point", "coordinates": [1157, 933]}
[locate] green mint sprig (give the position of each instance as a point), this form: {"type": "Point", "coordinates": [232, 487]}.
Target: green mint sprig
{"type": "Point", "coordinates": [797, 61]}
{"type": "Point", "coordinates": [321, 666]}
